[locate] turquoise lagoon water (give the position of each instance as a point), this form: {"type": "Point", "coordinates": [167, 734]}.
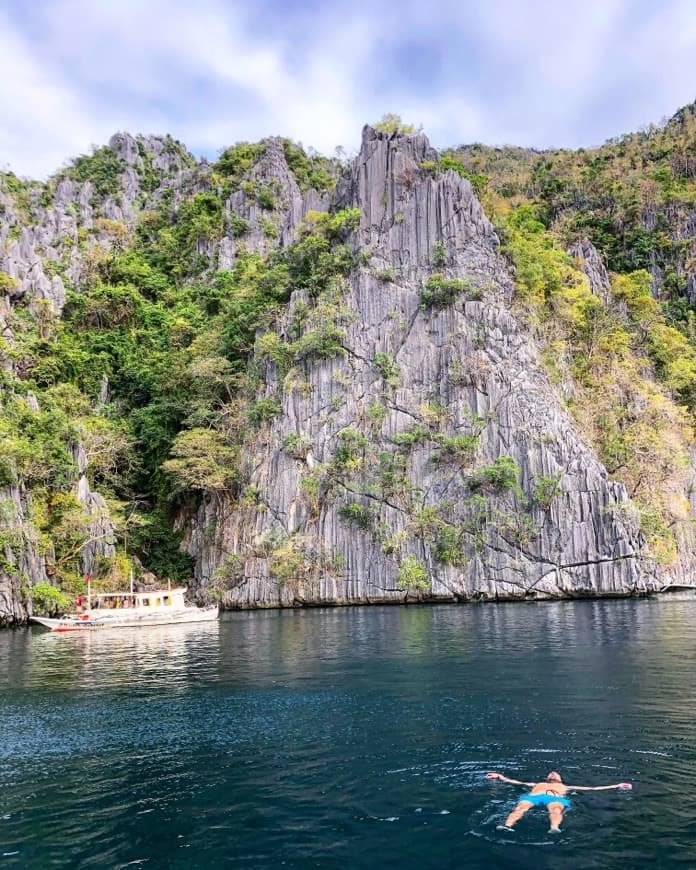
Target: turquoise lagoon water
{"type": "Point", "coordinates": [352, 738]}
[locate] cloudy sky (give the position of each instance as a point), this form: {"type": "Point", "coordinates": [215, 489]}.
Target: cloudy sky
{"type": "Point", "coordinates": [213, 72]}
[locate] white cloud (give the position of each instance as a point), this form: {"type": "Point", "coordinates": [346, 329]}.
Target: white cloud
{"type": "Point", "coordinates": [146, 57]}
{"type": "Point", "coordinates": [42, 121]}
{"type": "Point", "coordinates": [211, 74]}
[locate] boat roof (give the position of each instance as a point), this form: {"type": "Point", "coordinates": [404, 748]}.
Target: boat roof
{"type": "Point", "coordinates": [149, 592]}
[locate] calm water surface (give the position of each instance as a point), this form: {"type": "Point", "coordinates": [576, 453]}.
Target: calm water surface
{"type": "Point", "coordinates": [352, 738]}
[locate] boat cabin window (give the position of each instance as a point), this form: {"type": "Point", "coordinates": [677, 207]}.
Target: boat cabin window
{"type": "Point", "coordinates": [145, 602]}
{"type": "Point", "coordinates": [167, 600]}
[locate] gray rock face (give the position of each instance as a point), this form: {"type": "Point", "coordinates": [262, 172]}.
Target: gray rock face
{"type": "Point", "coordinates": [22, 261]}
{"type": "Point", "coordinates": [691, 288]}
{"type": "Point", "coordinates": [22, 564]}
{"type": "Point", "coordinates": [39, 250]}
{"type": "Point", "coordinates": [126, 147]}
{"type": "Point", "coordinates": [591, 264]}
{"type": "Point", "coordinates": [269, 228]}
{"type": "Point", "coordinates": [46, 252]}
{"type": "Point", "coordinates": [679, 222]}
{"type": "Point", "coordinates": [684, 570]}
{"type": "Point", "coordinates": [372, 443]}
{"type": "Point", "coordinates": [100, 536]}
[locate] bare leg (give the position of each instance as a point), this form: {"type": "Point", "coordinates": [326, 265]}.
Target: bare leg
{"type": "Point", "coordinates": [555, 816]}
{"type": "Point", "coordinates": [520, 809]}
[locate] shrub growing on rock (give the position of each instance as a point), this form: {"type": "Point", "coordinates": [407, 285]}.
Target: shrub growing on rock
{"type": "Point", "coordinates": [412, 574]}
{"type": "Point", "coordinates": [440, 291]}
{"type": "Point", "coordinates": [502, 476]}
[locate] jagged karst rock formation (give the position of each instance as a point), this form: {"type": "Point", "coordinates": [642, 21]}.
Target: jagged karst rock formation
{"type": "Point", "coordinates": [22, 563]}
{"type": "Point", "coordinates": [292, 206]}
{"type": "Point", "coordinates": [24, 558]}
{"type": "Point", "coordinates": [55, 235]}
{"type": "Point", "coordinates": [425, 456]}
{"type": "Point", "coordinates": [29, 254]}
{"type": "Point", "coordinates": [100, 532]}
{"type": "Point", "coordinates": [40, 250]}
{"type": "Point", "coordinates": [593, 267]}
{"type": "Point", "coordinates": [464, 369]}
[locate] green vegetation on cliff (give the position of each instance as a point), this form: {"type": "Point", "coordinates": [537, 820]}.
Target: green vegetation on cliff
{"type": "Point", "coordinates": [634, 198]}
{"type": "Point", "coordinates": [630, 350]}
{"type": "Point", "coordinates": [172, 337]}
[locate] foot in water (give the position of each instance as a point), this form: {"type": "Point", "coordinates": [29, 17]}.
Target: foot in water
{"type": "Point", "coordinates": [554, 830]}
{"type": "Point", "coordinates": [504, 828]}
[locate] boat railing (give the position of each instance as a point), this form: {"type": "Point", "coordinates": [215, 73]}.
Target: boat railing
{"type": "Point", "coordinates": [681, 587]}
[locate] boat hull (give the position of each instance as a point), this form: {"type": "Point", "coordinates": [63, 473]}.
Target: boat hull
{"type": "Point", "coordinates": [677, 592]}
{"type": "Point", "coordinates": [109, 621]}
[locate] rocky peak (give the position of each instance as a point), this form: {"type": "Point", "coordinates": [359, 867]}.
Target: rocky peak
{"type": "Point", "coordinates": [126, 147]}
{"type": "Point", "coordinates": [270, 202]}
{"type": "Point", "coordinates": [415, 218]}
{"type": "Point", "coordinates": [680, 117]}
{"type": "Point", "coordinates": [164, 153]}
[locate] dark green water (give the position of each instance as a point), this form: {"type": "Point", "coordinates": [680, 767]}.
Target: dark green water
{"type": "Point", "coordinates": [352, 738]}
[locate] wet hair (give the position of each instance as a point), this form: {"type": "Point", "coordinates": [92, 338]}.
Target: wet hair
{"type": "Point", "coordinates": [554, 775]}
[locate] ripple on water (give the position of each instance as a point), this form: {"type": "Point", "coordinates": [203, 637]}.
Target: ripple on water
{"type": "Point", "coordinates": [351, 738]}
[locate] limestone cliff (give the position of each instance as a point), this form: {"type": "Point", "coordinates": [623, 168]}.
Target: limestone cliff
{"type": "Point", "coordinates": [56, 237]}
{"type": "Point", "coordinates": [419, 450]}
{"type": "Point", "coordinates": [49, 236]}
{"type": "Point", "coordinates": [398, 460]}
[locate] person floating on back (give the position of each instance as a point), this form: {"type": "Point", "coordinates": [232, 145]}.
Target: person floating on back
{"type": "Point", "coordinates": [550, 794]}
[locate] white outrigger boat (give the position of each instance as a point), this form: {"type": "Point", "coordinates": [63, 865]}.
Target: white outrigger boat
{"type": "Point", "coordinates": [677, 592]}
{"type": "Point", "coordinates": [131, 610]}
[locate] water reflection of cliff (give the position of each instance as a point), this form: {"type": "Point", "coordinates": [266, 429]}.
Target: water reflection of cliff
{"type": "Point", "coordinates": [665, 655]}
{"type": "Point", "coordinates": [281, 646]}
{"type": "Point", "coordinates": [310, 641]}
{"type": "Point", "coordinates": [174, 656]}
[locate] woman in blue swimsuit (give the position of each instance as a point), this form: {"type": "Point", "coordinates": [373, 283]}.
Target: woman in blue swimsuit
{"type": "Point", "coordinates": [550, 794]}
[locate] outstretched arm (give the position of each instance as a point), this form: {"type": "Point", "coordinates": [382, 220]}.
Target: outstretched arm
{"type": "Point", "coordinates": [621, 785]}
{"type": "Point", "coordinates": [507, 779]}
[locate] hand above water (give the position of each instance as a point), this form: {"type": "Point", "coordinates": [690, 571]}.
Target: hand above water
{"type": "Point", "coordinates": [494, 776]}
